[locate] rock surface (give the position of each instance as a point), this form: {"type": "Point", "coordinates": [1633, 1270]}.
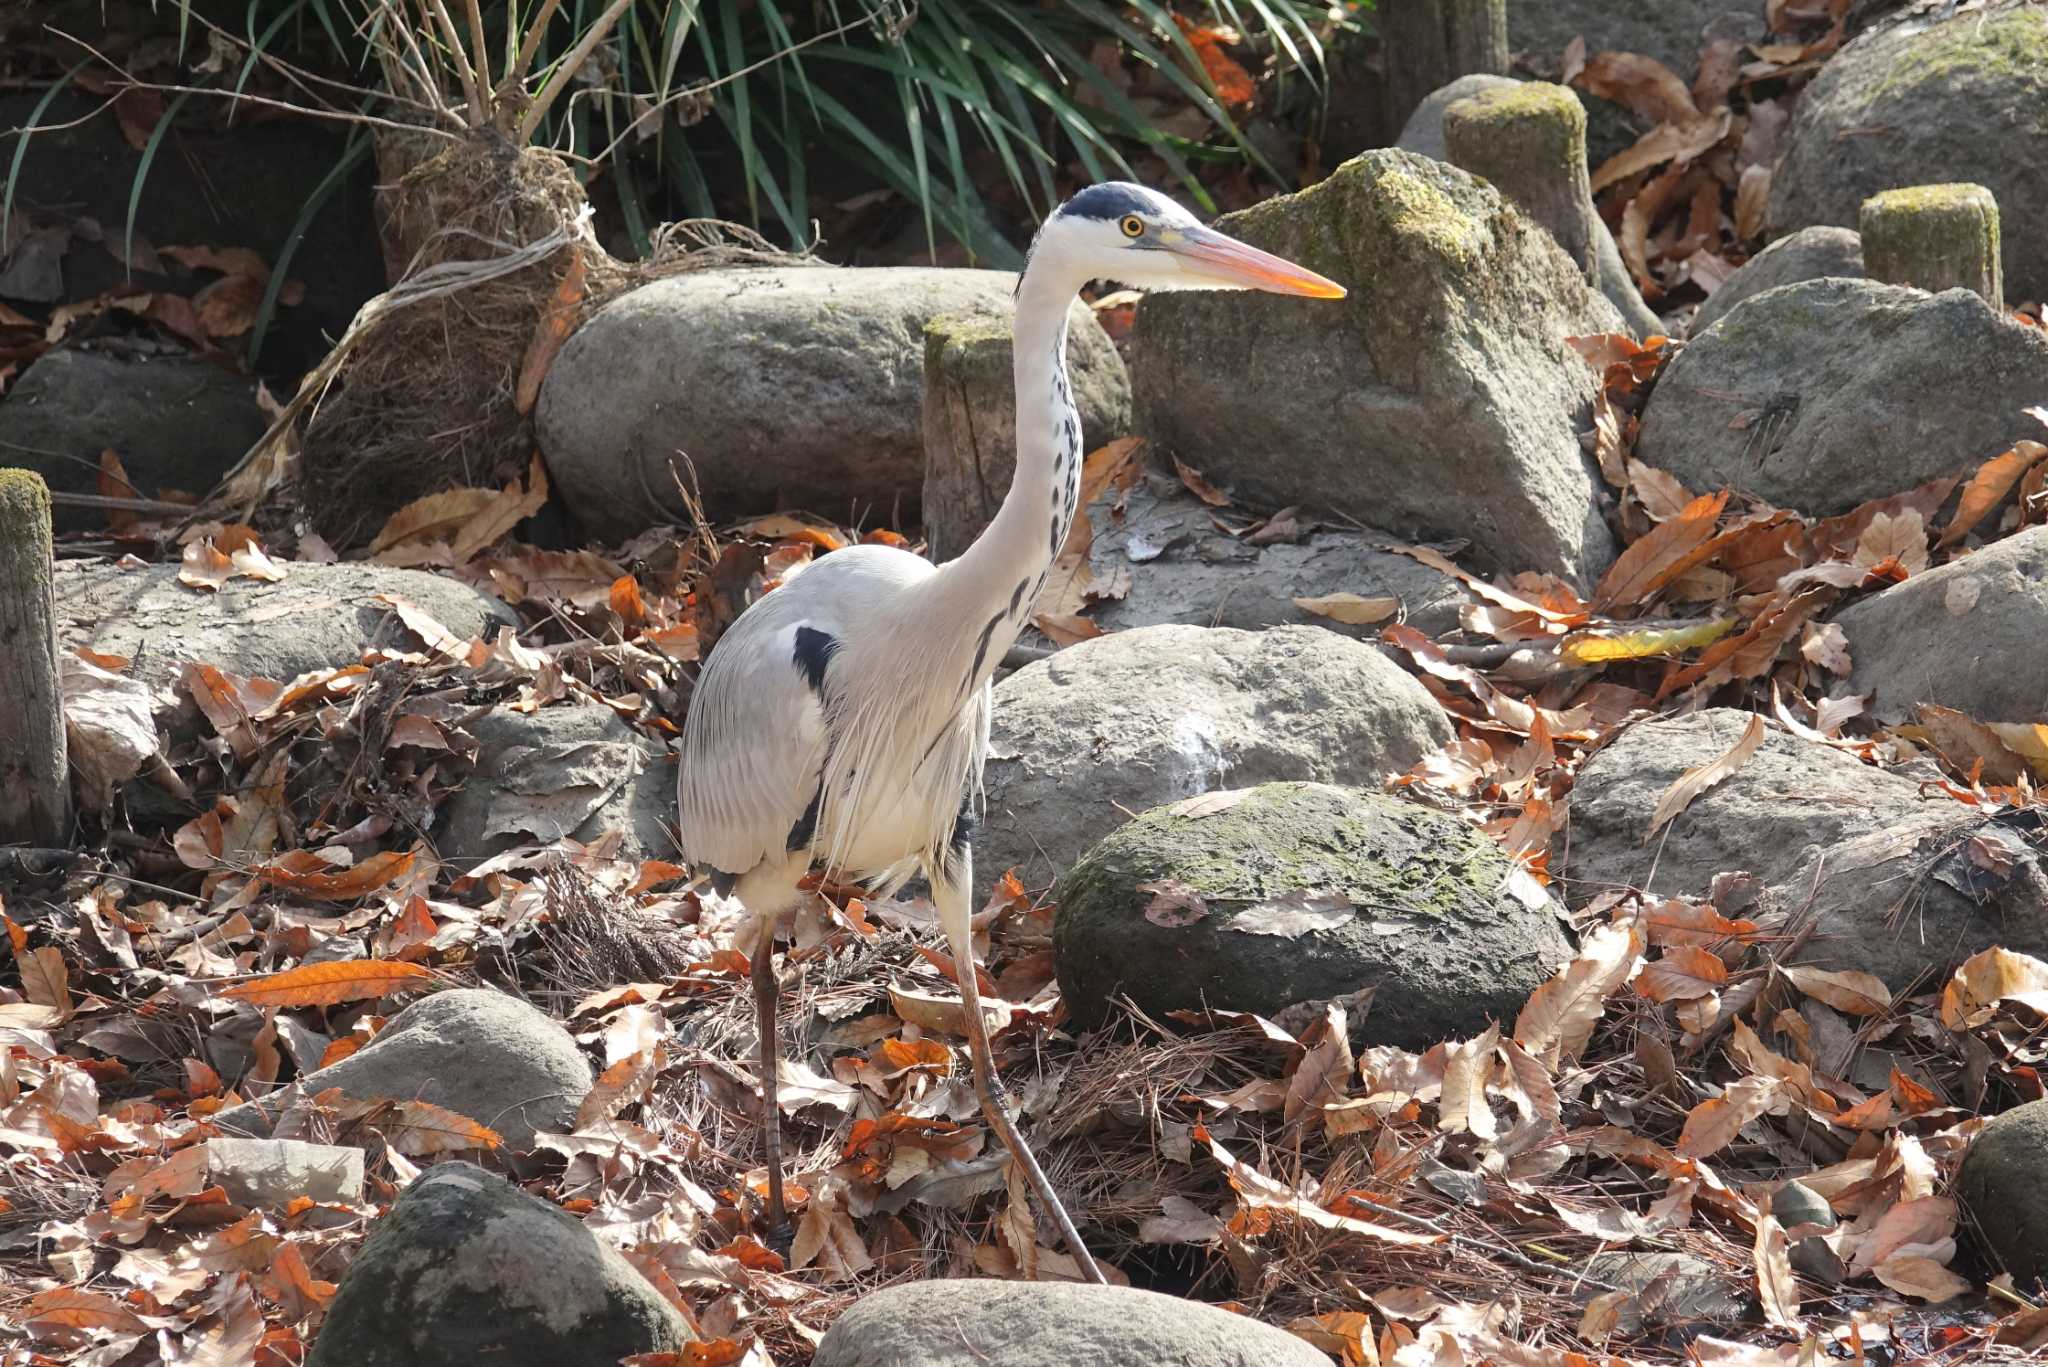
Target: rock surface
{"type": "Point", "coordinates": [1672, 31]}
{"type": "Point", "coordinates": [1423, 134]}
{"type": "Point", "coordinates": [577, 771]}
{"type": "Point", "coordinates": [1972, 635]}
{"type": "Point", "coordinates": [1032, 1324]}
{"type": "Point", "coordinates": [1809, 254]}
{"type": "Point", "coordinates": [468, 1268]}
{"type": "Point", "coordinates": [1127, 721]}
{"type": "Point", "coordinates": [1879, 863]}
{"type": "Point", "coordinates": [176, 422]}
{"type": "Point", "coordinates": [1438, 399]}
{"type": "Point", "coordinates": [1433, 928]}
{"type": "Point", "coordinates": [2004, 1185]}
{"type": "Point", "coordinates": [1181, 568]}
{"type": "Point", "coordinates": [769, 388]}
{"type": "Point", "coordinates": [1958, 100]}
{"type": "Point", "coordinates": [272, 1173]}
{"type": "Point", "coordinates": [317, 617]}
{"type": "Point", "coordinates": [473, 1051]}
{"type": "Point", "coordinates": [1794, 395]}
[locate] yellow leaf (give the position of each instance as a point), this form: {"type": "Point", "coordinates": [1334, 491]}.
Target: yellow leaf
{"type": "Point", "coordinates": [1586, 648]}
{"type": "Point", "coordinates": [1350, 609]}
{"type": "Point", "coordinates": [327, 984]}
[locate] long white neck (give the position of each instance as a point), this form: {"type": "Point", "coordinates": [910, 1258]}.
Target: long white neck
{"type": "Point", "coordinates": [986, 594]}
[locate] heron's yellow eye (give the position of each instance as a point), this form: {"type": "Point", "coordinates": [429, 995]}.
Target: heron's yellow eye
{"type": "Point", "coordinates": [1133, 226]}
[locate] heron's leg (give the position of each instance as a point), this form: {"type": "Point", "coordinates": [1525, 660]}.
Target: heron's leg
{"type": "Point", "coordinates": [950, 891]}
{"type": "Point", "coordinates": [765, 986]}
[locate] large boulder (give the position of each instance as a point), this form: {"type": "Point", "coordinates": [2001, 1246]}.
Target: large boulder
{"type": "Point", "coordinates": [769, 387]}
{"type": "Point", "coordinates": [2004, 1185]}
{"type": "Point", "coordinates": [1672, 31]}
{"type": "Point", "coordinates": [468, 1268]}
{"type": "Point", "coordinates": [1809, 254]}
{"type": "Point", "coordinates": [1127, 721]}
{"type": "Point", "coordinates": [1794, 395]}
{"type": "Point", "coordinates": [1972, 635]}
{"type": "Point", "coordinates": [177, 423]}
{"type": "Point", "coordinates": [1438, 399]}
{"type": "Point", "coordinates": [577, 771]}
{"type": "Point", "coordinates": [316, 617]}
{"type": "Point", "coordinates": [1423, 907]}
{"type": "Point", "coordinates": [1029, 1324]}
{"type": "Point", "coordinates": [479, 1053]}
{"type": "Point", "coordinates": [1160, 547]}
{"type": "Point", "coordinates": [1879, 863]}
{"type": "Point", "coordinates": [1923, 103]}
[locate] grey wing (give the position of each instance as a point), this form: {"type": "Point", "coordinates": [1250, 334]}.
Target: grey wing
{"type": "Point", "coordinates": [754, 749]}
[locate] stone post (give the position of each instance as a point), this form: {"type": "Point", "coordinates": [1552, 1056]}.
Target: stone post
{"type": "Point", "coordinates": [1430, 43]}
{"type": "Point", "coordinates": [35, 789]}
{"type": "Point", "coordinates": [970, 428]}
{"type": "Point", "coordinates": [1530, 141]}
{"type": "Point", "coordinates": [1934, 237]}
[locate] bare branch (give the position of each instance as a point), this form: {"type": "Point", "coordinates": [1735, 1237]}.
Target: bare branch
{"type": "Point", "coordinates": [472, 91]}
{"type": "Point", "coordinates": [569, 66]}
{"type": "Point", "coordinates": [516, 72]}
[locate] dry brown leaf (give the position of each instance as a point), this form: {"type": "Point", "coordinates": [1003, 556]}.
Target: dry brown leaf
{"type": "Point", "coordinates": [1683, 973]}
{"type": "Point", "coordinates": [827, 1237]}
{"type": "Point", "coordinates": [1173, 903]}
{"type": "Point", "coordinates": [1642, 84]}
{"type": "Point", "coordinates": [1849, 990]}
{"type": "Point", "coordinates": [68, 1307]}
{"type": "Point", "coordinates": [619, 1086]}
{"type": "Point", "coordinates": [1899, 538]}
{"type": "Point", "coordinates": [306, 874]}
{"type": "Point", "coordinates": [436, 517]}
{"type": "Point", "coordinates": [1667, 142]}
{"type": "Point", "coordinates": [1713, 1124]}
{"type": "Point", "coordinates": [1350, 608]}
{"type": "Point", "coordinates": [418, 1128]}
{"type": "Point", "coordinates": [557, 321]}
{"type": "Point", "coordinates": [1294, 914]}
{"type": "Point", "coordinates": [1990, 977]}
{"type": "Point", "coordinates": [1671, 548]}
{"type": "Point", "coordinates": [227, 307]}
{"type": "Point", "coordinates": [1775, 1287]}
{"type": "Point", "coordinates": [1988, 487]}
{"type": "Point", "coordinates": [1968, 744]}
{"type": "Point", "coordinates": [1559, 1017]}
{"type": "Point", "coordinates": [1693, 782]}
{"type": "Point", "coordinates": [325, 984]}
{"type": "Point", "coordinates": [1199, 487]}
{"type": "Point", "coordinates": [1468, 1066]}
{"type": "Point", "coordinates": [1911, 1275]}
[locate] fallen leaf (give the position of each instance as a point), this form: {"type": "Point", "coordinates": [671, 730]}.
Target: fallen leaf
{"type": "Point", "coordinates": [1776, 1289]}
{"type": "Point", "coordinates": [1174, 903]}
{"type": "Point", "coordinates": [326, 984]}
{"type": "Point", "coordinates": [1209, 804]}
{"type": "Point", "coordinates": [1850, 990]}
{"type": "Point", "coordinates": [1593, 647]}
{"type": "Point", "coordinates": [419, 1128]}
{"type": "Point", "coordinates": [1294, 914]}
{"type": "Point", "coordinates": [556, 322]}
{"type": "Point", "coordinates": [1683, 973]}
{"type": "Point", "coordinates": [1558, 1019]}
{"type": "Point", "coordinates": [1467, 1068]}
{"type": "Point", "coordinates": [305, 873]}
{"type": "Point", "coordinates": [1323, 1073]}
{"type": "Point", "coordinates": [1988, 487]}
{"type": "Point", "coordinates": [1713, 1124]}
{"type": "Point", "coordinates": [1921, 1277]}
{"type": "Point", "coordinates": [1642, 84]}
{"type": "Point", "coordinates": [1988, 978]}
{"type": "Point", "coordinates": [45, 980]}
{"type": "Point", "coordinates": [1690, 784]}
{"type": "Point", "coordinates": [1350, 608]}
{"type": "Point", "coordinates": [619, 1086]}
{"type": "Point", "coordinates": [1199, 487]}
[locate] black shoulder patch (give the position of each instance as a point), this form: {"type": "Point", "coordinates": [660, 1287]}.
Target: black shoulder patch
{"type": "Point", "coordinates": [814, 650]}
{"type": "Point", "coordinates": [806, 825]}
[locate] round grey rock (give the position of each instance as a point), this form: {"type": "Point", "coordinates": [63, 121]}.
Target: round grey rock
{"type": "Point", "coordinates": [1032, 1324]}
{"type": "Point", "coordinates": [1433, 928]}
{"type": "Point", "coordinates": [1438, 399]}
{"type": "Point", "coordinates": [1795, 1204]}
{"type": "Point", "coordinates": [772, 387]}
{"type": "Point", "coordinates": [1128, 721]}
{"type": "Point", "coordinates": [1971, 634]}
{"type": "Point", "coordinates": [577, 771]}
{"type": "Point", "coordinates": [1956, 99]}
{"type": "Point", "coordinates": [2004, 1185]}
{"type": "Point", "coordinates": [176, 422]}
{"type": "Point", "coordinates": [317, 617]}
{"type": "Point", "coordinates": [1809, 254]}
{"type": "Point", "coordinates": [1794, 394]}
{"type": "Point", "coordinates": [1879, 864]}
{"type": "Point", "coordinates": [468, 1268]}
{"type": "Point", "coordinates": [473, 1051]}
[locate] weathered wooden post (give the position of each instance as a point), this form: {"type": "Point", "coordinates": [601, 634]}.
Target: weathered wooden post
{"type": "Point", "coordinates": [35, 790]}
{"type": "Point", "coordinates": [1934, 237]}
{"type": "Point", "coordinates": [970, 428]}
{"type": "Point", "coordinates": [1430, 43]}
{"type": "Point", "coordinates": [1530, 141]}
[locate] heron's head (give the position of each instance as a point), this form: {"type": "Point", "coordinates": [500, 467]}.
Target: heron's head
{"type": "Point", "coordinates": [1138, 237]}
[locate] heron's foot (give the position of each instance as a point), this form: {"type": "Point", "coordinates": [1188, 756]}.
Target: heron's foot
{"type": "Point", "coordinates": [780, 1236]}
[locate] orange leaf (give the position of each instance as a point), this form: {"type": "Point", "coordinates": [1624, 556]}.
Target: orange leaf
{"type": "Point", "coordinates": [328, 984]}
{"type": "Point", "coordinates": [1234, 86]}
{"type": "Point", "coordinates": [323, 882]}
{"type": "Point", "coordinates": [619, 1086]}
{"type": "Point", "coordinates": [1994, 478]}
{"type": "Point", "coordinates": [1200, 487]}
{"type": "Point", "coordinates": [555, 326]}
{"type": "Point", "coordinates": [69, 1308]}
{"type": "Point", "coordinates": [1685, 972]}
{"type": "Point", "coordinates": [418, 1128]}
{"type": "Point", "coordinates": [200, 1078]}
{"type": "Point", "coordinates": [1668, 551]}
{"type": "Point", "coordinates": [626, 600]}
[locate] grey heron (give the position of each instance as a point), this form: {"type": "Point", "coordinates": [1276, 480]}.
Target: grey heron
{"type": "Point", "coordinates": [841, 722]}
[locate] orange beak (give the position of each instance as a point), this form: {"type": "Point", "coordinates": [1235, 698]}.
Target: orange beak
{"type": "Point", "coordinates": [1226, 261]}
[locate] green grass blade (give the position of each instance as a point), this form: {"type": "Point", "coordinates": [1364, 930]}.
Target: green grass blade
{"type": "Point", "coordinates": [156, 139]}
{"type": "Point", "coordinates": [21, 137]}
{"type": "Point", "coordinates": [358, 147]}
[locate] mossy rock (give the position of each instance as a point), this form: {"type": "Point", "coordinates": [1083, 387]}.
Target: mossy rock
{"type": "Point", "coordinates": [1434, 930]}
{"type": "Point", "coordinates": [1437, 399]}
{"type": "Point", "coordinates": [1961, 100]}
{"type": "Point", "coordinates": [2004, 1185]}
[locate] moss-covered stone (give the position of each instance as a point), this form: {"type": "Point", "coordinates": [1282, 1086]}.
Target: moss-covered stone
{"type": "Point", "coordinates": [1965, 99]}
{"type": "Point", "coordinates": [24, 529]}
{"type": "Point", "coordinates": [1434, 930]}
{"type": "Point", "coordinates": [1934, 237]}
{"type": "Point", "coordinates": [1437, 398]}
{"type": "Point", "coordinates": [1531, 142]}
{"type": "Point", "coordinates": [2004, 1185]}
